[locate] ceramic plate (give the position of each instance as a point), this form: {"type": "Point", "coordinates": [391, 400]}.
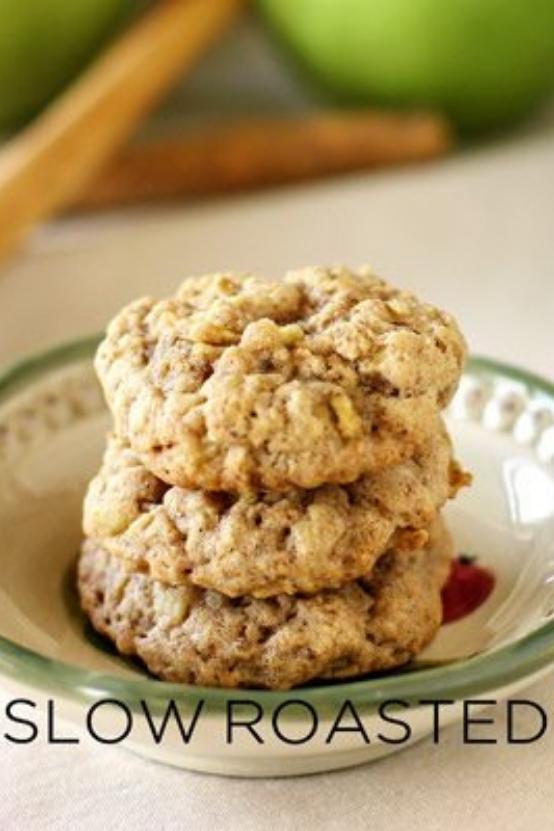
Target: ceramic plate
{"type": "Point", "coordinates": [52, 430]}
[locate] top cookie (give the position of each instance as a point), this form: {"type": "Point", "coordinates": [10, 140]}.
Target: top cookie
{"type": "Point", "coordinates": [239, 383]}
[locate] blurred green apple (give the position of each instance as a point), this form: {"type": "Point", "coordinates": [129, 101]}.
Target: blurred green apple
{"type": "Point", "coordinates": [484, 62]}
{"type": "Point", "coordinates": [44, 43]}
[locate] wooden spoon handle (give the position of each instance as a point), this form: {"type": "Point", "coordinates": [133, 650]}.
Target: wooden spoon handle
{"type": "Point", "coordinates": [50, 161]}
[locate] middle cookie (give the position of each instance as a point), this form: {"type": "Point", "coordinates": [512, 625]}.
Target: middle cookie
{"type": "Point", "coordinates": [263, 544]}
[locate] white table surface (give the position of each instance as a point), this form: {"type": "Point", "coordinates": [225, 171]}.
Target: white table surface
{"type": "Point", "coordinates": [475, 234]}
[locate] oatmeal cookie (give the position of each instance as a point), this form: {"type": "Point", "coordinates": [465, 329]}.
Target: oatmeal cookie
{"type": "Point", "coordinates": [196, 636]}
{"type": "Point", "coordinates": [239, 383]}
{"type": "Point", "coordinates": [264, 544]}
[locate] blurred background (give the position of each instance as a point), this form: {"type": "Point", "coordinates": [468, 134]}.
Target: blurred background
{"type": "Point", "coordinates": [143, 141]}
{"type": "Point", "coordinates": [485, 63]}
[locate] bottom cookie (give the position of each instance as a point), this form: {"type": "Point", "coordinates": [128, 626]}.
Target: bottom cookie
{"type": "Point", "coordinates": [196, 636]}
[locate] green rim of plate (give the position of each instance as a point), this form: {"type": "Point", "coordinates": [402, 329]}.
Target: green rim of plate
{"type": "Point", "coordinates": [453, 680]}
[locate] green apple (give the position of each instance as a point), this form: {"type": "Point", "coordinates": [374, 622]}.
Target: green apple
{"type": "Point", "coordinates": [484, 62]}
{"type": "Point", "coordinates": [44, 43]}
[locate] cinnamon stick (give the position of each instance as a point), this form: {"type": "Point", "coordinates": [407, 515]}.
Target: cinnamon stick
{"type": "Point", "coordinates": [262, 153]}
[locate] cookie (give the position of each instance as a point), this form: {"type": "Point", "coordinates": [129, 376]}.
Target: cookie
{"type": "Point", "coordinates": [264, 544]}
{"type": "Point", "coordinates": [238, 383]}
{"type": "Point", "coordinates": [190, 635]}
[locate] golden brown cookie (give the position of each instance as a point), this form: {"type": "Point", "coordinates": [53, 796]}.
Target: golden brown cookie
{"type": "Point", "coordinates": [190, 635]}
{"type": "Point", "coordinates": [264, 544]}
{"type": "Point", "coordinates": [238, 383]}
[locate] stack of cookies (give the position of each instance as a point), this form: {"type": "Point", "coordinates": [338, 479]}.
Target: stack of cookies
{"type": "Point", "coordinates": [268, 507]}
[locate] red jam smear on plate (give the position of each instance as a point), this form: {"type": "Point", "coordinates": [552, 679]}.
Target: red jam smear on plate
{"type": "Point", "coordinates": [467, 588]}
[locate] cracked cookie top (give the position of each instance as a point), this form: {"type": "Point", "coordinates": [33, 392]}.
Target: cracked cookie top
{"type": "Point", "coordinates": [238, 383]}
